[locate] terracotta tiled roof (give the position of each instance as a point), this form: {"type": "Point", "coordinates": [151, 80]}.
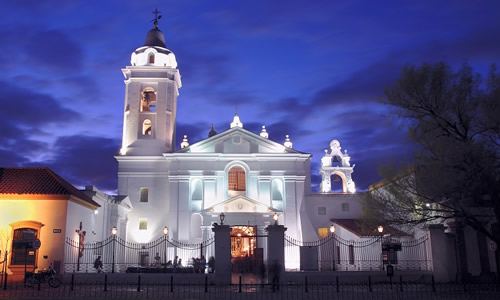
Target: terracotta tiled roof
{"type": "Point", "coordinates": [38, 181]}
{"type": "Point", "coordinates": [357, 228]}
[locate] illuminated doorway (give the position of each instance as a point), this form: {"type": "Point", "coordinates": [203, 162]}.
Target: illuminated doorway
{"type": "Point", "coordinates": [243, 241]}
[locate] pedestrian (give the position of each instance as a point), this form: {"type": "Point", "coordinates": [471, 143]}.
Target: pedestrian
{"type": "Point", "coordinates": [275, 271]}
{"type": "Point", "coordinates": [98, 264]}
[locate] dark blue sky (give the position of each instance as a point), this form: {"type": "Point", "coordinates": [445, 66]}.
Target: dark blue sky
{"type": "Point", "coordinates": [313, 69]}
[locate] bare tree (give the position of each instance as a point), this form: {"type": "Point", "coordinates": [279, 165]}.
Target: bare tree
{"type": "Point", "coordinates": [454, 119]}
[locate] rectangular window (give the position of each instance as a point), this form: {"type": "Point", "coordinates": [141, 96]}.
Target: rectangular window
{"type": "Point", "coordinates": [345, 206]}
{"type": "Point", "coordinates": [144, 194]}
{"type": "Point", "coordinates": [143, 224]}
{"type": "Point", "coordinates": [321, 211]}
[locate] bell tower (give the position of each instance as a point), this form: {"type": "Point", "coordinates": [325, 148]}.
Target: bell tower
{"type": "Point", "coordinates": [152, 83]}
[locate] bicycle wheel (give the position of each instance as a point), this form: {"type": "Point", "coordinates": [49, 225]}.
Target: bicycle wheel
{"type": "Point", "coordinates": [31, 281]}
{"type": "Point", "coordinates": [54, 282]}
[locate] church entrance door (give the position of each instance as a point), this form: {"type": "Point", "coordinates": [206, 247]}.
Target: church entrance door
{"type": "Point", "coordinates": [245, 254]}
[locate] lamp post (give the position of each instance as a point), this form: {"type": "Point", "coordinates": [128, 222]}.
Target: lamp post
{"type": "Point", "coordinates": [165, 236]}
{"type": "Point", "coordinates": [380, 230]}
{"type": "Point", "coordinates": [114, 231]}
{"type": "Point", "coordinates": [332, 232]}
{"type": "Point", "coordinates": [222, 216]}
{"type": "Point", "coordinates": [275, 218]}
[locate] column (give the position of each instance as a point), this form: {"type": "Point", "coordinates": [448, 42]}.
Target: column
{"type": "Point", "coordinates": [222, 253]}
{"type": "Point", "coordinates": [440, 252]}
{"type": "Point", "coordinates": [276, 245]}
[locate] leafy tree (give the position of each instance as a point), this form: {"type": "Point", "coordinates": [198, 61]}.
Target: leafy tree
{"type": "Point", "coordinates": [454, 119]}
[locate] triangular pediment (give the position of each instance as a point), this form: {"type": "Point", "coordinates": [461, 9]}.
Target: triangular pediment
{"type": "Point", "coordinates": [240, 204]}
{"type": "Point", "coordinates": [237, 141]}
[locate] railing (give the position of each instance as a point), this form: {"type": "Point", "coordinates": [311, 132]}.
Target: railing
{"type": "Point", "coordinates": [167, 287]}
{"type": "Point", "coordinates": [334, 253]}
{"type": "Point", "coordinates": [114, 254]}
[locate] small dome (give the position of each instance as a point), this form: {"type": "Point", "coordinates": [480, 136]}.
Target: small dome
{"type": "Point", "coordinates": [185, 142]}
{"type": "Point", "coordinates": [288, 143]}
{"type": "Point", "coordinates": [236, 122]}
{"type": "Point", "coordinates": [263, 132]}
{"type": "Point", "coordinates": [155, 38]}
{"type": "Point", "coordinates": [212, 131]}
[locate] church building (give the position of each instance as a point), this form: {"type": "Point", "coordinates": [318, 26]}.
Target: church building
{"type": "Point", "coordinates": [244, 175]}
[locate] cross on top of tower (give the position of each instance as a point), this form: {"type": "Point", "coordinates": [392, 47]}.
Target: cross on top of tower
{"type": "Point", "coordinates": [157, 16]}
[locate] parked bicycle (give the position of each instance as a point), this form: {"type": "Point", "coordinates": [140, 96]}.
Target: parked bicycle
{"type": "Point", "coordinates": [47, 275]}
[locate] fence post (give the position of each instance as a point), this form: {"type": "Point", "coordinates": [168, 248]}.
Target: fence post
{"type": "Point", "coordinates": [433, 284]}
{"type": "Point", "coordinates": [72, 287]}
{"type": "Point", "coordinates": [139, 283]}
{"type": "Point", "coordinates": [172, 283]}
{"type": "Point", "coordinates": [369, 283]}
{"type": "Point", "coordinates": [401, 283]}
{"type": "Point", "coordinates": [206, 284]}
{"type": "Point", "coordinates": [239, 285]}
{"type": "Point", "coordinates": [306, 287]}
{"type": "Point", "coordinates": [105, 282]}
{"type": "Point", "coordinates": [337, 282]}
{"type": "Point", "coordinates": [39, 283]}
{"type": "Point", "coordinates": [222, 237]}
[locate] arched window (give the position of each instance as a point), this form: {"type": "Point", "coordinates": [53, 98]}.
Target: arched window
{"type": "Point", "coordinates": [151, 58]}
{"type": "Point", "coordinates": [277, 190]}
{"type": "Point", "coordinates": [236, 179]}
{"type": "Point", "coordinates": [148, 100]}
{"type": "Point", "coordinates": [147, 127]}
{"type": "Point", "coordinates": [22, 237]}
{"type": "Point", "coordinates": [196, 190]}
{"type": "Point", "coordinates": [337, 183]}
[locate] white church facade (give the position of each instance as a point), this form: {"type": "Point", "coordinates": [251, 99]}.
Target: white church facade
{"type": "Point", "coordinates": [245, 175]}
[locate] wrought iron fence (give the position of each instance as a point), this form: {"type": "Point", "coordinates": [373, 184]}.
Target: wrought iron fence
{"type": "Point", "coordinates": [170, 287]}
{"type": "Point", "coordinates": [334, 253]}
{"type": "Point", "coordinates": [114, 254]}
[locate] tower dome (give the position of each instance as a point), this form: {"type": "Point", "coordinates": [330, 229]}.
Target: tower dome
{"type": "Point", "coordinates": [154, 52]}
{"type": "Point", "coordinates": [155, 38]}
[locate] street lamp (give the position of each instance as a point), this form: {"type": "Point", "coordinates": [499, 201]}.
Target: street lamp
{"type": "Point", "coordinates": [380, 228]}
{"type": "Point", "coordinates": [275, 218]}
{"type": "Point", "coordinates": [332, 232]}
{"type": "Point", "coordinates": [222, 216]}
{"type": "Point", "coordinates": [114, 231]}
{"type": "Point", "coordinates": [165, 237]}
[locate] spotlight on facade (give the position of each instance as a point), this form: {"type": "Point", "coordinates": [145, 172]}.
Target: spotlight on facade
{"type": "Point", "coordinates": [165, 230]}
{"type": "Point", "coordinates": [114, 231]}
{"type": "Point", "coordinates": [380, 229]}
{"type": "Point", "coordinates": [275, 218]}
{"type": "Point", "coordinates": [332, 229]}
{"type": "Point", "coordinates": [222, 216]}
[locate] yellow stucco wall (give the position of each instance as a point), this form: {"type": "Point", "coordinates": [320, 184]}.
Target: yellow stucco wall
{"type": "Point", "coordinates": [51, 213]}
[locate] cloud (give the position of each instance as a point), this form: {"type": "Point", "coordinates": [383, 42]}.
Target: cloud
{"type": "Point", "coordinates": [24, 116]}
{"type": "Point", "coordinates": [86, 160]}
{"type": "Point", "coordinates": [54, 50]}
{"type": "Point", "coordinates": [51, 50]}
